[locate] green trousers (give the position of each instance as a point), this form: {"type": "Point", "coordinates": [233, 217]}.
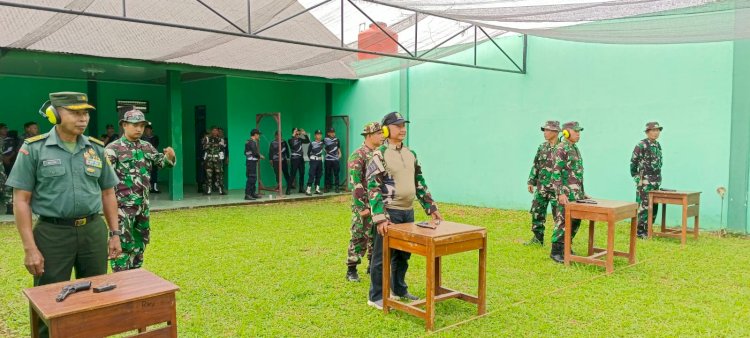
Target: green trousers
{"type": "Point", "coordinates": [65, 247]}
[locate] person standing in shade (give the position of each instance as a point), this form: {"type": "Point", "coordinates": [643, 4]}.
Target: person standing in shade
{"type": "Point", "coordinates": [361, 229]}
{"type": "Point", "coordinates": [394, 180]}
{"type": "Point", "coordinates": [567, 179]}
{"type": "Point", "coordinates": [540, 179]}
{"type": "Point", "coordinates": [134, 159]}
{"type": "Point", "coordinates": [299, 137]}
{"type": "Point", "coordinates": [332, 160]}
{"type": "Point", "coordinates": [148, 136]}
{"type": "Point", "coordinates": [213, 145]}
{"type": "Point", "coordinates": [30, 129]}
{"type": "Point", "coordinates": [110, 136]}
{"type": "Point", "coordinates": [278, 145]}
{"type": "Point", "coordinates": [65, 178]}
{"type": "Point", "coordinates": [645, 168]}
{"type": "Point", "coordinates": [315, 154]}
{"type": "Point", "coordinates": [252, 155]}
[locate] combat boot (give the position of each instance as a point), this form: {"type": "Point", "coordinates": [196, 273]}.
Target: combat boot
{"type": "Point", "coordinates": [317, 190]}
{"type": "Point", "coordinates": [288, 191]}
{"type": "Point", "coordinates": [557, 253]}
{"type": "Point", "coordinates": [538, 239]}
{"type": "Point", "coordinates": [337, 189]}
{"type": "Point", "coordinates": [249, 198]}
{"type": "Point", "coordinates": [208, 191]}
{"type": "Point", "coordinates": [222, 191]}
{"type": "Point", "coordinates": [308, 192]}
{"type": "Point", "coordinates": [352, 275]}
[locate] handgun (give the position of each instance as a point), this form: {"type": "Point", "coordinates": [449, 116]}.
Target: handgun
{"type": "Point", "coordinates": [71, 289]}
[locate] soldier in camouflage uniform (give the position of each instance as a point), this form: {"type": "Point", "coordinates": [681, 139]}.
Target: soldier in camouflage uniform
{"type": "Point", "coordinates": [361, 241]}
{"type": "Point", "coordinates": [645, 168]}
{"type": "Point", "coordinates": [567, 180]}
{"type": "Point", "coordinates": [6, 192]}
{"type": "Point", "coordinates": [214, 148]}
{"type": "Point", "coordinates": [394, 180]}
{"type": "Point", "coordinates": [133, 159]}
{"type": "Point", "coordinates": [541, 179]}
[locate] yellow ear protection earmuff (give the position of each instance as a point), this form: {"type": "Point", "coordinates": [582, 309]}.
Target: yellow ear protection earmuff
{"type": "Point", "coordinates": [566, 133]}
{"type": "Point", "coordinates": [386, 132]}
{"type": "Point", "coordinates": [49, 112]}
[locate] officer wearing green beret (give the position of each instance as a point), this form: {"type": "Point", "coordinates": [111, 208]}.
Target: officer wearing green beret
{"type": "Point", "coordinates": [64, 177]}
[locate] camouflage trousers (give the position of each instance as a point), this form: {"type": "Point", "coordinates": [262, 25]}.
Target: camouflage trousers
{"type": "Point", "coordinates": [361, 240]}
{"type": "Point", "coordinates": [6, 192]}
{"type": "Point", "coordinates": [136, 234]}
{"type": "Point", "coordinates": [214, 174]}
{"type": "Point", "coordinates": [641, 197]}
{"type": "Point", "coordinates": [558, 235]}
{"type": "Point", "coordinates": [538, 211]}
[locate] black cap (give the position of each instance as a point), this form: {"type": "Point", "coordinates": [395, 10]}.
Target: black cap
{"type": "Point", "coordinates": [393, 118]}
{"type": "Point", "coordinates": [318, 132]}
{"type": "Point", "coordinates": [294, 129]}
{"type": "Point", "coordinates": [255, 132]}
{"type": "Point", "coordinates": [331, 130]}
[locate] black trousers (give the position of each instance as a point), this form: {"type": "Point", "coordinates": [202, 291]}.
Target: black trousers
{"type": "Point", "coordinates": [399, 260]}
{"type": "Point", "coordinates": [332, 173]}
{"type": "Point", "coordinates": [298, 165]}
{"type": "Point", "coordinates": [316, 172]}
{"type": "Point", "coordinates": [154, 177]}
{"type": "Point", "coordinates": [284, 170]}
{"type": "Point", "coordinates": [251, 172]}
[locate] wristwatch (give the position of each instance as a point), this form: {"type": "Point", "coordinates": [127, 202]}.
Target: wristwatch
{"type": "Point", "coordinates": [115, 233]}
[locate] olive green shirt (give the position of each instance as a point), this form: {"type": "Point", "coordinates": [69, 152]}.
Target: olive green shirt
{"type": "Point", "coordinates": [63, 184]}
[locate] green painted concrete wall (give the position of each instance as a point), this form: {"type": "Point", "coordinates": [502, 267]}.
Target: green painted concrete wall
{"type": "Point", "coordinates": [22, 97]}
{"type": "Point", "coordinates": [740, 150]}
{"type": "Point", "coordinates": [476, 131]}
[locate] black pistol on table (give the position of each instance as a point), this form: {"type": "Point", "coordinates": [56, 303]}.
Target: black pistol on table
{"type": "Point", "coordinates": [72, 288]}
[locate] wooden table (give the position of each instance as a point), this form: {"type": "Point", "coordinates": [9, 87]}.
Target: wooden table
{"type": "Point", "coordinates": [448, 238]}
{"type": "Point", "coordinates": [690, 202]}
{"type": "Point", "coordinates": [141, 299]}
{"type": "Point", "coordinates": [606, 211]}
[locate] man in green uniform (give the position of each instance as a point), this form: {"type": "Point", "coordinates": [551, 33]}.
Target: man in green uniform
{"type": "Point", "coordinates": [567, 179]}
{"type": "Point", "coordinates": [540, 179]}
{"type": "Point", "coordinates": [133, 160]}
{"type": "Point", "coordinates": [645, 168]}
{"type": "Point", "coordinates": [215, 149]}
{"type": "Point", "coordinates": [64, 177]}
{"type": "Point", "coordinates": [361, 229]}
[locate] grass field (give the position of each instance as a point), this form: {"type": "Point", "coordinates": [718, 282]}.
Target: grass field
{"type": "Point", "coordinates": [278, 270]}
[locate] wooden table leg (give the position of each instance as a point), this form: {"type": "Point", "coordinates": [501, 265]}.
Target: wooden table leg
{"type": "Point", "coordinates": [386, 273]}
{"type": "Point", "coordinates": [591, 238]}
{"type": "Point", "coordinates": [633, 231]}
{"type": "Point", "coordinates": [430, 297]}
{"type": "Point", "coordinates": [482, 292]}
{"type": "Point", "coordinates": [683, 237]}
{"type": "Point", "coordinates": [696, 223]}
{"type": "Point", "coordinates": [610, 264]}
{"type": "Point", "coordinates": [173, 322]}
{"type": "Point", "coordinates": [650, 220]}
{"type": "Point", "coordinates": [438, 277]}
{"type": "Point", "coordinates": [567, 237]}
{"type": "Point", "coordinates": [34, 322]}
{"type": "Point", "coordinates": [663, 217]}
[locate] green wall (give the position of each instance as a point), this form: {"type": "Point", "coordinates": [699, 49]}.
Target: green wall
{"type": "Point", "coordinates": [476, 131]}
{"type": "Point", "coordinates": [22, 97]}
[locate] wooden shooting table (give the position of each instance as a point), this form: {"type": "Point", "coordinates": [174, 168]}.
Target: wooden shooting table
{"type": "Point", "coordinates": [448, 238]}
{"type": "Point", "coordinates": [690, 202]}
{"type": "Point", "coordinates": [603, 211]}
{"type": "Point", "coordinates": [141, 299]}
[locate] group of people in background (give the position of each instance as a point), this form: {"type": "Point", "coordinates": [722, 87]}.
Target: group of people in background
{"type": "Point", "coordinates": [10, 142]}
{"type": "Point", "coordinates": [324, 155]}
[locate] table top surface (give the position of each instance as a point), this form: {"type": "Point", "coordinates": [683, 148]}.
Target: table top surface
{"type": "Point", "coordinates": [601, 205]}
{"type": "Point", "coordinates": [445, 229]}
{"type": "Point", "coordinates": [676, 193]}
{"type": "Point", "coordinates": [132, 285]}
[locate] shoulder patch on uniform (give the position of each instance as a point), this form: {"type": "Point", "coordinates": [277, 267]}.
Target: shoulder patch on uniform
{"type": "Point", "coordinates": [35, 138]}
{"type": "Point", "coordinates": [96, 140]}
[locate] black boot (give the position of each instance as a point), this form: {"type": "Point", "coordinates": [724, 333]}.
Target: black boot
{"type": "Point", "coordinates": [288, 191]}
{"type": "Point", "coordinates": [249, 198]}
{"type": "Point", "coordinates": [255, 195]}
{"type": "Point", "coordinates": [557, 253]}
{"type": "Point", "coordinates": [337, 189]}
{"type": "Point", "coordinates": [352, 275]}
{"type": "Point", "coordinates": [538, 239]}
{"type": "Point", "coordinates": [9, 209]}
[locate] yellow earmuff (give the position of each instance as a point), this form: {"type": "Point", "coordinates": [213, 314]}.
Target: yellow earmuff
{"type": "Point", "coordinates": [566, 133]}
{"type": "Point", "coordinates": [386, 132]}
{"type": "Point", "coordinates": [49, 112]}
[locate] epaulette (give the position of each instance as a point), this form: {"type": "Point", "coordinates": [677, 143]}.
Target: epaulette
{"type": "Point", "coordinates": [96, 140]}
{"type": "Point", "coordinates": [33, 139]}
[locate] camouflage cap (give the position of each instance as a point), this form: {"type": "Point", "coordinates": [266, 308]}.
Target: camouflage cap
{"type": "Point", "coordinates": [134, 116]}
{"type": "Point", "coordinates": [70, 100]}
{"type": "Point", "coordinates": [551, 125]}
{"type": "Point", "coordinates": [371, 128]}
{"type": "Point", "coordinates": [572, 125]}
{"type": "Point", "coordinates": [653, 125]}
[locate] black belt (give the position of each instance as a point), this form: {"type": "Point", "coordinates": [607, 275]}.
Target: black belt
{"type": "Point", "coordinates": [76, 222]}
